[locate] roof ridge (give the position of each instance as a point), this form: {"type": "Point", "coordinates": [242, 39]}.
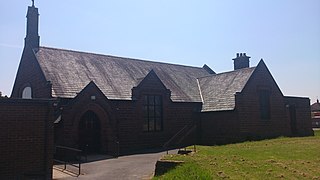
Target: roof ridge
{"type": "Point", "coordinates": [119, 57]}
{"type": "Point", "coordinates": [210, 75]}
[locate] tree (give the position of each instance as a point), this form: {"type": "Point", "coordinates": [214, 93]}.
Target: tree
{"type": "Point", "coordinates": [1, 96]}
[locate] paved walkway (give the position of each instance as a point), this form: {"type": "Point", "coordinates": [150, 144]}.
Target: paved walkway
{"type": "Point", "coordinates": [140, 166]}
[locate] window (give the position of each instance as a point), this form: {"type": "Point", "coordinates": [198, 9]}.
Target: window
{"type": "Point", "coordinates": [27, 93]}
{"type": "Point", "coordinates": [152, 113]}
{"type": "Point", "coordinates": [264, 104]}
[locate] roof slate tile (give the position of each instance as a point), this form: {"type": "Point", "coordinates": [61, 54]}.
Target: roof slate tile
{"type": "Point", "coordinates": [70, 71]}
{"type": "Point", "coordinates": [218, 91]}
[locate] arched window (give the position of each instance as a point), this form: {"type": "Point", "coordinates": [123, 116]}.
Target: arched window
{"type": "Point", "coordinates": [27, 93]}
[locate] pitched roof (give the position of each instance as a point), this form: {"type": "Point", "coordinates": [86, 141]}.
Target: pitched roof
{"type": "Point", "coordinates": [218, 91]}
{"type": "Point", "coordinates": [315, 106]}
{"type": "Point", "coordinates": [70, 71]}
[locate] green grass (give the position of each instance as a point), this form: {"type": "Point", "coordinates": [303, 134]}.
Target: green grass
{"type": "Point", "coordinates": [281, 158]}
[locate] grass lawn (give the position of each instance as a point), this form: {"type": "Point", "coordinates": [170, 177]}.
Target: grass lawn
{"type": "Point", "coordinates": [281, 158]}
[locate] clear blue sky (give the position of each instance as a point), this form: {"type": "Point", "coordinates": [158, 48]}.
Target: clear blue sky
{"type": "Point", "coordinates": [285, 33]}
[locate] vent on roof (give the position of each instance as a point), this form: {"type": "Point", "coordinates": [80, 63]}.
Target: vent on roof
{"type": "Point", "coordinates": [241, 61]}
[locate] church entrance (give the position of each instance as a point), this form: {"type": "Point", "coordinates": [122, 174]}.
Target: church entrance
{"type": "Point", "coordinates": [89, 132]}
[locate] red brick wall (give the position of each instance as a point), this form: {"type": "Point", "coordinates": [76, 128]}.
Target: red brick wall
{"type": "Point", "coordinates": [130, 118]}
{"type": "Point", "coordinates": [219, 127]}
{"type": "Point", "coordinates": [131, 134]}
{"type": "Point", "coordinates": [122, 121]}
{"type": "Point", "coordinates": [26, 138]}
{"type": "Point", "coordinates": [303, 125]}
{"type": "Point", "coordinates": [30, 74]}
{"type": "Point", "coordinates": [248, 107]}
{"type": "Point", "coordinates": [68, 131]}
{"type": "Point", "coordinates": [245, 121]}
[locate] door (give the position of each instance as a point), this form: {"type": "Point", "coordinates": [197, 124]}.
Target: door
{"type": "Point", "coordinates": [89, 132]}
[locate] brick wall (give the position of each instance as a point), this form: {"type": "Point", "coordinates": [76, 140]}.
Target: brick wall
{"type": "Point", "coordinates": [131, 135]}
{"type": "Point", "coordinates": [30, 74]}
{"type": "Point", "coordinates": [176, 115]}
{"type": "Point", "coordinates": [219, 127]}
{"type": "Point", "coordinates": [72, 110]}
{"type": "Point", "coordinates": [248, 107]}
{"type": "Point", "coordinates": [26, 138]}
{"type": "Point", "coordinates": [299, 115]}
{"type": "Point", "coordinates": [245, 121]}
{"type": "Point", "coordinates": [122, 120]}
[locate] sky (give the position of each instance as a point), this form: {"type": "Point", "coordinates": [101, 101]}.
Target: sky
{"type": "Point", "coordinates": [284, 33]}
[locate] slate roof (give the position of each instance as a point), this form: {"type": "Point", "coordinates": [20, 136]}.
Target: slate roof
{"type": "Point", "coordinates": [315, 106]}
{"type": "Point", "coordinates": [70, 71]}
{"type": "Point", "coordinates": [218, 91]}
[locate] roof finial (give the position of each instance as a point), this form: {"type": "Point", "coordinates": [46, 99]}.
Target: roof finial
{"type": "Point", "coordinates": [32, 3]}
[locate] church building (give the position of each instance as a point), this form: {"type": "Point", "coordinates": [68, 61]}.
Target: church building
{"type": "Point", "coordinates": [116, 105]}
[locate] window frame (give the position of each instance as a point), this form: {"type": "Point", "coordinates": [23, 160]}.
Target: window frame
{"type": "Point", "coordinates": [264, 104]}
{"type": "Point", "coordinates": [26, 94]}
{"type": "Point", "coordinates": [152, 113]}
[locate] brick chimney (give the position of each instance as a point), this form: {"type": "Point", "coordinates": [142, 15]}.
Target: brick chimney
{"type": "Point", "coordinates": [32, 38]}
{"type": "Point", "coordinates": [241, 61]}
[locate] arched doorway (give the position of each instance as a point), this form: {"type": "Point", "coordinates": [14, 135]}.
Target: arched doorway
{"type": "Point", "coordinates": [89, 132]}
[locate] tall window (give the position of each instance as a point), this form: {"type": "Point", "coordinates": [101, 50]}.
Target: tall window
{"type": "Point", "coordinates": [27, 93]}
{"type": "Point", "coordinates": [152, 113]}
{"type": "Point", "coordinates": [264, 104]}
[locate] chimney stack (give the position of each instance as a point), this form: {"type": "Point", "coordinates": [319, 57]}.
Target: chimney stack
{"type": "Point", "coordinates": [241, 61]}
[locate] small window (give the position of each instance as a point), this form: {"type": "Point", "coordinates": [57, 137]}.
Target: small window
{"type": "Point", "coordinates": [152, 113]}
{"type": "Point", "coordinates": [264, 98]}
{"type": "Point", "coordinates": [27, 93]}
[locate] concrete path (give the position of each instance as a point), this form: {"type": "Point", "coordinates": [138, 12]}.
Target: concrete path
{"type": "Point", "coordinates": [140, 166]}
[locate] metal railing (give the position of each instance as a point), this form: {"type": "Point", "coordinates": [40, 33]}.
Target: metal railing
{"type": "Point", "coordinates": [180, 136]}
{"type": "Point", "coordinates": [69, 156]}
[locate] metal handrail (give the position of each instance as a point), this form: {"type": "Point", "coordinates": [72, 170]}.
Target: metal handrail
{"type": "Point", "coordinates": [190, 125]}
{"type": "Point", "coordinates": [65, 162]}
